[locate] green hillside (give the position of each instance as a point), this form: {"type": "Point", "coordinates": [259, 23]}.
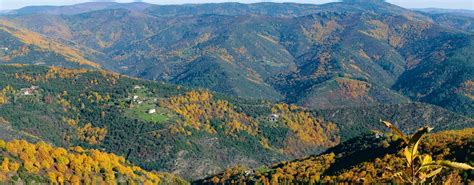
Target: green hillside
{"type": "Point", "coordinates": [192, 133]}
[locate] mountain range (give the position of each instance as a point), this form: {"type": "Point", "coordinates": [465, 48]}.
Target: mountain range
{"type": "Point", "coordinates": [352, 53]}
{"type": "Point", "coordinates": [195, 89]}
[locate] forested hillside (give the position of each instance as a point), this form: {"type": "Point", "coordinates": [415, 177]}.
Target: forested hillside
{"type": "Point", "coordinates": [170, 128]}
{"type": "Point", "coordinates": [157, 126]}
{"type": "Point", "coordinates": [19, 45]}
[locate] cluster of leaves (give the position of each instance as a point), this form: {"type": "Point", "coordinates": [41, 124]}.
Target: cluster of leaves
{"type": "Point", "coordinates": [420, 167]}
{"type": "Point", "coordinates": [73, 166]}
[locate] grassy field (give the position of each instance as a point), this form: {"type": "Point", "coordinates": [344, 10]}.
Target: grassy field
{"type": "Point", "coordinates": [140, 111]}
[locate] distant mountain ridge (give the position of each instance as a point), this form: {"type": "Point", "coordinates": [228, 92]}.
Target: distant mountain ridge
{"type": "Point", "coordinates": [335, 55]}
{"type": "Point", "coordinates": [79, 8]}
{"type": "Point", "coordinates": [465, 12]}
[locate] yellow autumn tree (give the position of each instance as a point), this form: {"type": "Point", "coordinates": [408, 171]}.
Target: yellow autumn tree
{"type": "Point", "coordinates": [73, 166]}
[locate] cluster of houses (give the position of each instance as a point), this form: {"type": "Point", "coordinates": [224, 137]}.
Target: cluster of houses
{"type": "Point", "coordinates": [29, 91]}
{"type": "Point", "coordinates": [137, 99]}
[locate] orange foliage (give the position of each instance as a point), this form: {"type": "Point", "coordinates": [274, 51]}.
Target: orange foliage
{"type": "Point", "coordinates": [382, 170]}
{"type": "Point", "coordinates": [468, 88]}
{"type": "Point", "coordinates": [76, 166]}
{"type": "Point", "coordinates": [8, 90]}
{"type": "Point", "coordinates": [352, 88]}
{"type": "Point", "coordinates": [63, 73]}
{"type": "Point", "coordinates": [380, 30]}
{"type": "Point", "coordinates": [198, 108]}
{"type": "Point", "coordinates": [323, 59]}
{"type": "Point", "coordinates": [220, 53]}
{"type": "Point", "coordinates": [322, 32]}
{"type": "Point", "coordinates": [91, 135]}
{"type": "Point", "coordinates": [308, 129]}
{"type": "Point", "coordinates": [32, 38]}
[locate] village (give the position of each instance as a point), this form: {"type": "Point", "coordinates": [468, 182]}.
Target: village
{"type": "Point", "coordinates": [144, 106]}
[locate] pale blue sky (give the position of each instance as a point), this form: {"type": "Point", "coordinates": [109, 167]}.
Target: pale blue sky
{"type": "Point", "coordinates": [451, 4]}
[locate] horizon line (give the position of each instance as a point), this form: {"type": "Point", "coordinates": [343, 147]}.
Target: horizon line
{"type": "Point", "coordinates": [180, 4]}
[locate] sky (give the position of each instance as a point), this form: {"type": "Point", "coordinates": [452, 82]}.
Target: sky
{"type": "Point", "coordinates": [448, 4]}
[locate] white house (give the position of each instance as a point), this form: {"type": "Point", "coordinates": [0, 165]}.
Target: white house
{"type": "Point", "coordinates": [29, 91]}
{"type": "Point", "coordinates": [151, 111]}
{"type": "Point", "coordinates": [26, 92]}
{"type": "Point", "coordinates": [273, 117]}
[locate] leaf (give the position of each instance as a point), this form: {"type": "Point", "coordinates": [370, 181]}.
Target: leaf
{"type": "Point", "coordinates": [408, 155]}
{"type": "Point", "coordinates": [419, 134]}
{"type": "Point", "coordinates": [456, 165]}
{"type": "Point", "coordinates": [427, 160]}
{"type": "Point", "coordinates": [415, 149]}
{"type": "Point", "coordinates": [422, 177]}
{"type": "Point", "coordinates": [416, 139]}
{"type": "Point", "coordinates": [389, 169]}
{"type": "Point", "coordinates": [433, 173]}
{"type": "Point", "coordinates": [395, 129]}
{"type": "Point", "coordinates": [400, 176]}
